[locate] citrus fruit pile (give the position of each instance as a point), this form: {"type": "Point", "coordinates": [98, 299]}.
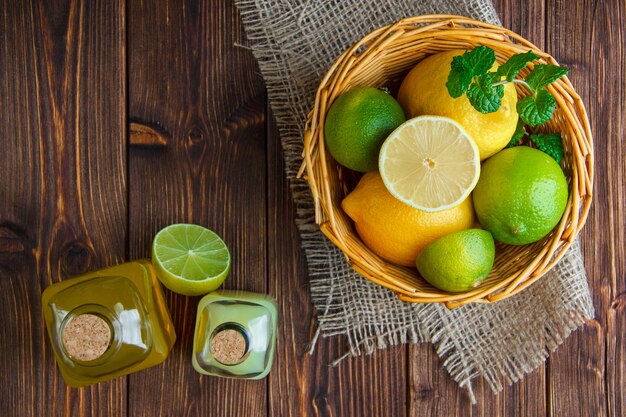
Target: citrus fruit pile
{"type": "Point", "coordinates": [439, 187]}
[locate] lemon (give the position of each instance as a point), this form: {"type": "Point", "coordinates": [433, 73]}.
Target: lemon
{"type": "Point", "coordinates": [459, 261]}
{"type": "Point", "coordinates": [395, 231]}
{"type": "Point", "coordinates": [190, 259]}
{"type": "Point", "coordinates": [357, 124]}
{"type": "Point", "coordinates": [429, 163]}
{"type": "Point", "coordinates": [424, 92]}
{"type": "Point", "coordinates": [521, 195]}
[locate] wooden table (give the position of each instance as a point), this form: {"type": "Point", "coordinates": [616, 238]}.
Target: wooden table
{"type": "Point", "coordinates": [120, 117]}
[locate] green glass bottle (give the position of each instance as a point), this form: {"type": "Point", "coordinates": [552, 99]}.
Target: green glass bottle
{"type": "Point", "coordinates": [235, 335]}
{"type": "Point", "coordinates": [108, 323]}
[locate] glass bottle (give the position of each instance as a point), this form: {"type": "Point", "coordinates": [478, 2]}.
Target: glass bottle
{"type": "Point", "coordinates": [108, 323]}
{"type": "Point", "coordinates": [235, 335]}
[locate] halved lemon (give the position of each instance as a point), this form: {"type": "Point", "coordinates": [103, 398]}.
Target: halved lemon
{"type": "Point", "coordinates": [429, 163]}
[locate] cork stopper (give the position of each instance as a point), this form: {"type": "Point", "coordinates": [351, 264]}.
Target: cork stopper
{"type": "Point", "coordinates": [86, 337]}
{"type": "Point", "coordinates": [228, 346]}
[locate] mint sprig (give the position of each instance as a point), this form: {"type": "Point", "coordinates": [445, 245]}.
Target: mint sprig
{"type": "Point", "coordinates": [550, 143]}
{"type": "Point", "coordinates": [465, 67]}
{"type": "Point", "coordinates": [544, 75]}
{"type": "Point", "coordinates": [537, 109]}
{"type": "Point", "coordinates": [469, 74]}
{"type": "Point", "coordinates": [484, 94]}
{"type": "Point", "coordinates": [515, 64]}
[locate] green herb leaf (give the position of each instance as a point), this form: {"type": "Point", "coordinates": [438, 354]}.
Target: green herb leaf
{"type": "Point", "coordinates": [465, 67]}
{"type": "Point", "coordinates": [549, 143]}
{"type": "Point", "coordinates": [518, 61]}
{"type": "Point", "coordinates": [543, 75]}
{"type": "Point", "coordinates": [483, 95]}
{"type": "Point", "coordinates": [479, 60]}
{"type": "Point", "coordinates": [460, 77]}
{"type": "Point", "coordinates": [536, 110]}
{"type": "Point", "coordinates": [519, 133]}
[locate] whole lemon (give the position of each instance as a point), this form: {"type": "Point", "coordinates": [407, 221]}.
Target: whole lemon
{"type": "Point", "coordinates": [520, 196]}
{"type": "Point", "coordinates": [459, 261]}
{"type": "Point", "coordinates": [424, 91]}
{"type": "Point", "coordinates": [357, 124]}
{"type": "Point", "coordinates": [396, 231]}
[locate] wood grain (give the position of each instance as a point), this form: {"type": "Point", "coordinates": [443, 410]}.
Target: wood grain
{"type": "Point", "coordinates": [293, 392]}
{"type": "Point", "coordinates": [577, 380]}
{"type": "Point", "coordinates": [616, 358]}
{"type": "Point", "coordinates": [189, 79]}
{"type": "Point", "coordinates": [88, 179]}
{"type": "Point", "coordinates": [592, 51]}
{"type": "Point", "coordinates": [63, 194]}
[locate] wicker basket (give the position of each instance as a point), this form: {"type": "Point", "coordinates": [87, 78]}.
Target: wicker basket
{"type": "Point", "coordinates": [381, 59]}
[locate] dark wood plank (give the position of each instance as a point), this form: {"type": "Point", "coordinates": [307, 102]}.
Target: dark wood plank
{"type": "Point", "coordinates": [577, 380]}
{"type": "Point", "coordinates": [616, 358]}
{"type": "Point", "coordinates": [189, 81]}
{"type": "Point", "coordinates": [301, 384]}
{"type": "Point", "coordinates": [433, 392]}
{"type": "Point", "coordinates": [585, 36]}
{"type": "Point", "coordinates": [296, 388]}
{"type": "Point", "coordinates": [63, 193]}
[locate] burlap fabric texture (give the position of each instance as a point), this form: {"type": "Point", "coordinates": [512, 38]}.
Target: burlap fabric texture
{"type": "Point", "coordinates": [295, 42]}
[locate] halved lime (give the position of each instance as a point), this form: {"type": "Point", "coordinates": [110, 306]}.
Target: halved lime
{"type": "Point", "coordinates": [190, 259]}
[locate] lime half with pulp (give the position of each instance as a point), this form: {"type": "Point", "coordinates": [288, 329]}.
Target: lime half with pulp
{"type": "Point", "coordinates": [190, 259]}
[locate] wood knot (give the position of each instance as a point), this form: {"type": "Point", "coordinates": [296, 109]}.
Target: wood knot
{"type": "Point", "coordinates": [10, 241]}
{"type": "Point", "coordinates": [195, 139]}
{"type": "Point", "coordinates": [142, 135]}
{"type": "Point", "coordinates": [76, 258]}
{"type": "Point", "coordinates": [13, 246]}
{"type": "Point", "coordinates": [424, 392]}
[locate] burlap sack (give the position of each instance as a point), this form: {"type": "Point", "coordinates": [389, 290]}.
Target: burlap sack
{"type": "Point", "coordinates": [295, 41]}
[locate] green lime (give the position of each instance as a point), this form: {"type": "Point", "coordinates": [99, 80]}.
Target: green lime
{"type": "Point", "coordinates": [520, 196]}
{"type": "Point", "coordinates": [357, 124]}
{"type": "Point", "coordinates": [459, 261]}
{"type": "Point", "coordinates": [190, 259]}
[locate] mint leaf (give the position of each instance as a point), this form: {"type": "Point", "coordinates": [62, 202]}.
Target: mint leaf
{"type": "Point", "coordinates": [518, 61]}
{"type": "Point", "coordinates": [536, 110]}
{"type": "Point", "coordinates": [549, 143]}
{"type": "Point", "coordinates": [519, 133]}
{"type": "Point", "coordinates": [479, 60]}
{"type": "Point", "coordinates": [460, 77]}
{"type": "Point", "coordinates": [465, 67]}
{"type": "Point", "coordinates": [544, 75]}
{"type": "Point", "coordinates": [483, 95]}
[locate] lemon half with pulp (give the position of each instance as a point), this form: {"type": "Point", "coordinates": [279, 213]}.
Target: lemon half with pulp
{"type": "Point", "coordinates": [430, 163]}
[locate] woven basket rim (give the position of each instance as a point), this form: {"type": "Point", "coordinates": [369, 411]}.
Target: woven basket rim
{"type": "Point", "coordinates": [403, 281]}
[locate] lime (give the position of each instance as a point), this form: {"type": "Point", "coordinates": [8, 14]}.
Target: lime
{"type": "Point", "coordinates": [424, 92]}
{"type": "Point", "coordinates": [458, 262]}
{"type": "Point", "coordinates": [430, 163]}
{"type": "Point", "coordinates": [395, 231]}
{"type": "Point", "coordinates": [190, 259]}
{"type": "Point", "coordinates": [521, 195]}
{"type": "Point", "coordinates": [358, 123]}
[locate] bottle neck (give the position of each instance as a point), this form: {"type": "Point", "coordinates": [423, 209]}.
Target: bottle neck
{"type": "Point", "coordinates": [230, 344]}
{"type": "Point", "coordinates": [86, 337]}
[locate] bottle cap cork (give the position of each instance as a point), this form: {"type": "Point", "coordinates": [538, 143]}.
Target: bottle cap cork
{"type": "Point", "coordinates": [228, 346]}
{"type": "Point", "coordinates": [86, 337]}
